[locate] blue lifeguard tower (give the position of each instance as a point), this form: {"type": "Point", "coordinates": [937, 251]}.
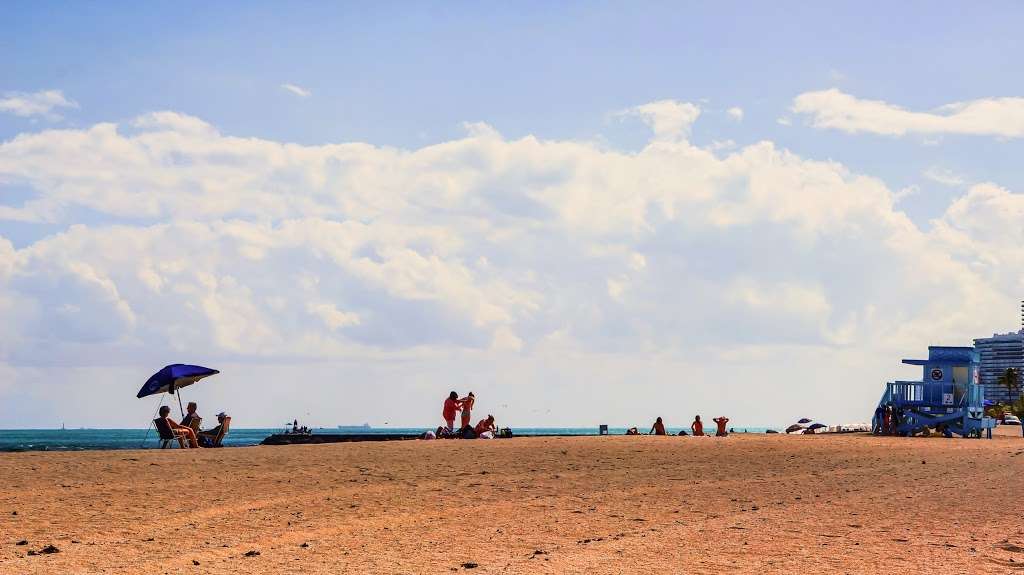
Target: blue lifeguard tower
{"type": "Point", "coordinates": [948, 397]}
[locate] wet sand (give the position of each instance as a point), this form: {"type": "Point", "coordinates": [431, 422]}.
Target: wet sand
{"type": "Point", "coordinates": [746, 503]}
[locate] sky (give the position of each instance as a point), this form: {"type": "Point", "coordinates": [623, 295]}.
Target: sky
{"type": "Point", "coordinates": [585, 213]}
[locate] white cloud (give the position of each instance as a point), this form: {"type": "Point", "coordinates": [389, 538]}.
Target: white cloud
{"type": "Point", "coordinates": [511, 261]}
{"type": "Point", "coordinates": [834, 109]}
{"type": "Point", "coordinates": [784, 121]}
{"type": "Point", "coordinates": [332, 316]}
{"type": "Point", "coordinates": [943, 176]}
{"type": "Point", "coordinates": [42, 104]}
{"type": "Point", "coordinates": [669, 119]}
{"type": "Point", "coordinates": [736, 113]}
{"type": "Point", "coordinates": [297, 90]}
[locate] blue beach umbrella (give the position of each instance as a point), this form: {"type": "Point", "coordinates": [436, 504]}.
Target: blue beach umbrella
{"type": "Point", "coordinates": [817, 426]}
{"type": "Point", "coordinates": [174, 377]}
{"type": "Point", "coordinates": [804, 420]}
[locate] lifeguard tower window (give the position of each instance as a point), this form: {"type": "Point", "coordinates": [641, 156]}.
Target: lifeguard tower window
{"type": "Point", "coordinates": [960, 375]}
{"type": "Point", "coordinates": [959, 383]}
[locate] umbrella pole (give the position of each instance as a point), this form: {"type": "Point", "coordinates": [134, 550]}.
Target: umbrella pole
{"type": "Point", "coordinates": [180, 408]}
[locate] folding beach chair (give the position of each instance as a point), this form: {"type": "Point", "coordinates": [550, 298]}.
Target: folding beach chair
{"type": "Point", "coordinates": [167, 435]}
{"type": "Point", "coordinates": [217, 440]}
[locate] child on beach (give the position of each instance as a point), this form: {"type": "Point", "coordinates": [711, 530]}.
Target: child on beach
{"type": "Point", "coordinates": [451, 405]}
{"type": "Point", "coordinates": [697, 427]}
{"type": "Point", "coordinates": [466, 403]}
{"type": "Point", "coordinates": [721, 421]}
{"type": "Point", "coordinates": [658, 428]}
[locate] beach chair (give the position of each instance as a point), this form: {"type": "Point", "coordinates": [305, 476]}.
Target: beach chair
{"type": "Point", "coordinates": [167, 435]}
{"type": "Point", "coordinates": [194, 423]}
{"type": "Point", "coordinates": [218, 440]}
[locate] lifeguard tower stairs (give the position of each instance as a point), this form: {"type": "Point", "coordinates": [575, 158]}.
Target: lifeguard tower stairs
{"type": "Point", "coordinates": [948, 395]}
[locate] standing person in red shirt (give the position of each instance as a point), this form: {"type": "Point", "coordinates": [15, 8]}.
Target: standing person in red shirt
{"type": "Point", "coordinates": [697, 427]}
{"type": "Point", "coordinates": [451, 405]}
{"type": "Point", "coordinates": [721, 421]}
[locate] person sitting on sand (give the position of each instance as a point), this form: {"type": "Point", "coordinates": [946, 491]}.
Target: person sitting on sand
{"type": "Point", "coordinates": [485, 425]}
{"type": "Point", "coordinates": [721, 421]}
{"type": "Point", "coordinates": [658, 428]}
{"type": "Point", "coordinates": [697, 427]}
{"type": "Point", "coordinates": [451, 405]}
{"type": "Point", "coordinates": [466, 403]}
{"type": "Point", "coordinates": [632, 431]}
{"type": "Point", "coordinates": [191, 419]}
{"type": "Point", "coordinates": [177, 428]}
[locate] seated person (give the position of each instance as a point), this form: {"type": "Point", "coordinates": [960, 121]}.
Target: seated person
{"type": "Point", "coordinates": [721, 421]}
{"type": "Point", "coordinates": [658, 428]}
{"type": "Point", "coordinates": [697, 427]}
{"type": "Point", "coordinates": [178, 429]}
{"type": "Point", "coordinates": [485, 425]}
{"type": "Point", "coordinates": [191, 419]}
{"type": "Point", "coordinates": [209, 437]}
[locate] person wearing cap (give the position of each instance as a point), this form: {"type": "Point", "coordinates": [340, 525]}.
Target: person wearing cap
{"type": "Point", "coordinates": [209, 436]}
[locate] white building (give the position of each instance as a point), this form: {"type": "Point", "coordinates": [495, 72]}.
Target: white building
{"type": "Point", "coordinates": [998, 353]}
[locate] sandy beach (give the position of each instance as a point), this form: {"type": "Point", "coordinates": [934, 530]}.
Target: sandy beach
{"type": "Point", "coordinates": [747, 503]}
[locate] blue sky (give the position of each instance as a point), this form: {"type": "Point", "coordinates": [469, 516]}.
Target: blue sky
{"type": "Point", "coordinates": [405, 79]}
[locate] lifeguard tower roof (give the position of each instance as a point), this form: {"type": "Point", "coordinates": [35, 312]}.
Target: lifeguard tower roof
{"type": "Point", "coordinates": [948, 355]}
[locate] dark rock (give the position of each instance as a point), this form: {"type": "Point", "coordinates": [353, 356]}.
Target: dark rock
{"type": "Point", "coordinates": [194, 562]}
{"type": "Point", "coordinates": [304, 545]}
{"type": "Point", "coordinates": [22, 542]}
{"type": "Point", "coordinates": [252, 553]}
{"type": "Point", "coordinates": [469, 565]}
{"type": "Point", "coordinates": [49, 549]}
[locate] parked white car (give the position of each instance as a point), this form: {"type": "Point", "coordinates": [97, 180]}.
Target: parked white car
{"type": "Point", "coordinates": [1011, 420]}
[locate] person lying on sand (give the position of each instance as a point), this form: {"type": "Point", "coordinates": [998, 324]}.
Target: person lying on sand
{"type": "Point", "coordinates": [697, 427]}
{"type": "Point", "coordinates": [632, 431]}
{"type": "Point", "coordinates": [177, 428]}
{"type": "Point", "coordinates": [658, 428]}
{"type": "Point", "coordinates": [721, 421]}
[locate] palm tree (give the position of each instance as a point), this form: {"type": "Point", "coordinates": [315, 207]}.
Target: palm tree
{"type": "Point", "coordinates": [1010, 379]}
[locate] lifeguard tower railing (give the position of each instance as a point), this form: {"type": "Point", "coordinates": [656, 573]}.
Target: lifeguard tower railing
{"type": "Point", "coordinates": [949, 396]}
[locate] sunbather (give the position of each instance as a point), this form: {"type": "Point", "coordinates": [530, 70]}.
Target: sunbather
{"type": "Point", "coordinates": [697, 427]}
{"type": "Point", "coordinates": [466, 403]}
{"type": "Point", "coordinates": [721, 421]}
{"type": "Point", "coordinates": [177, 428]}
{"type": "Point", "coordinates": [485, 425]}
{"type": "Point", "coordinates": [658, 428]}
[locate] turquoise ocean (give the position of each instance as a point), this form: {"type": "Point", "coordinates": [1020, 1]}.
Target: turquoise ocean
{"type": "Point", "coordinates": [90, 439]}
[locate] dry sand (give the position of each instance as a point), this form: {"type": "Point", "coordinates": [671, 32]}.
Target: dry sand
{"type": "Point", "coordinates": [747, 503]}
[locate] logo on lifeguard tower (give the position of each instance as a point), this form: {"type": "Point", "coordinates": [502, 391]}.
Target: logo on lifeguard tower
{"type": "Point", "coordinates": [936, 374]}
